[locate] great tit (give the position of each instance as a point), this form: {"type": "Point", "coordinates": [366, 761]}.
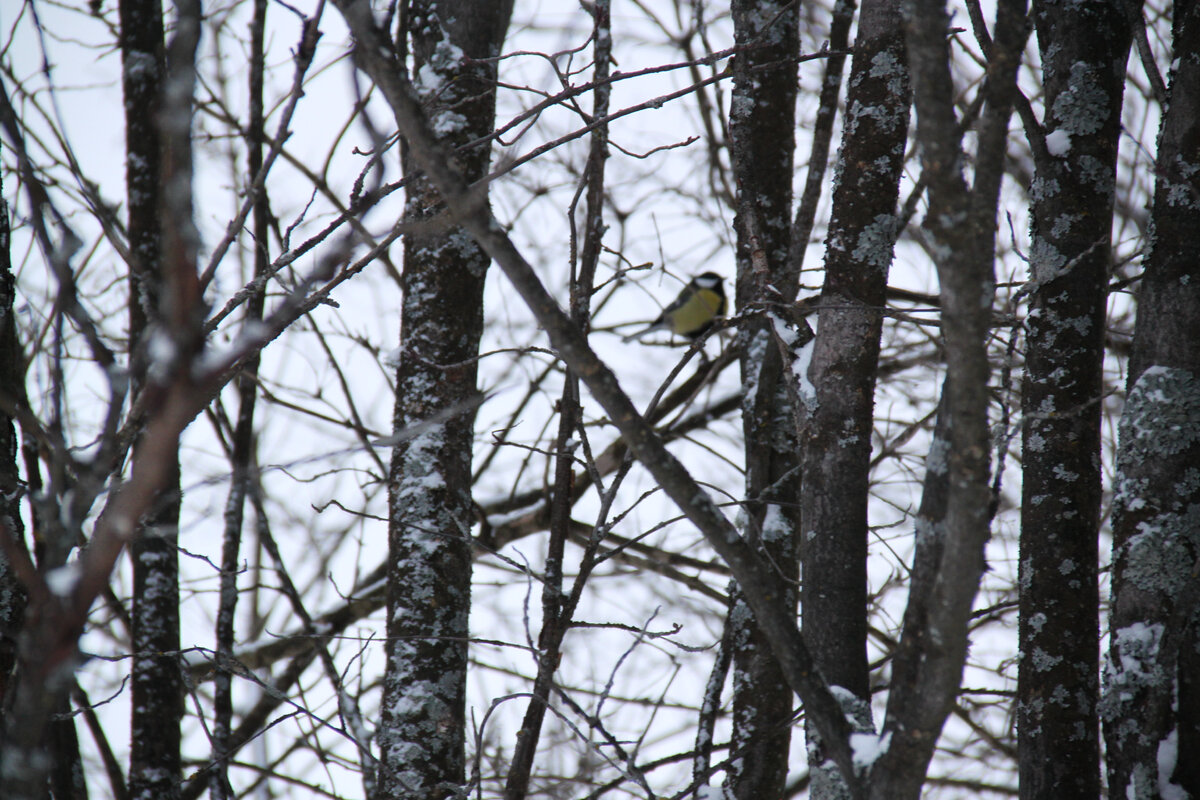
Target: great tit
{"type": "Point", "coordinates": [694, 311]}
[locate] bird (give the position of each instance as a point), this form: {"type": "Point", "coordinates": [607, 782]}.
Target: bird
{"type": "Point", "coordinates": [694, 311]}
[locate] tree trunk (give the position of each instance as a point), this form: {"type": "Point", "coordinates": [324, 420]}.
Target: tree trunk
{"type": "Point", "coordinates": [837, 451]}
{"type": "Point", "coordinates": [157, 682]}
{"type": "Point", "coordinates": [422, 732]}
{"type": "Point", "coordinates": [13, 597]}
{"type": "Point", "coordinates": [1083, 67]}
{"type": "Point", "coordinates": [1150, 707]}
{"type": "Point", "coordinates": [762, 122]}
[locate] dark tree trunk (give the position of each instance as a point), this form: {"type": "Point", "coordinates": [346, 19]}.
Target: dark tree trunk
{"type": "Point", "coordinates": [422, 732]}
{"type": "Point", "coordinates": [157, 681]}
{"type": "Point", "coordinates": [762, 123]}
{"type": "Point", "coordinates": [13, 597]}
{"type": "Point", "coordinates": [837, 451]}
{"type": "Point", "coordinates": [1150, 707]}
{"type": "Point", "coordinates": [1083, 67]}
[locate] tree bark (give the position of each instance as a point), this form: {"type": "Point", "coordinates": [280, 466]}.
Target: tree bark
{"type": "Point", "coordinates": [1150, 707]}
{"type": "Point", "coordinates": [1083, 67]}
{"type": "Point", "coordinates": [422, 732]}
{"type": "Point", "coordinates": [837, 450]}
{"type": "Point", "coordinates": [156, 691]}
{"type": "Point", "coordinates": [13, 597]}
{"type": "Point", "coordinates": [762, 124]}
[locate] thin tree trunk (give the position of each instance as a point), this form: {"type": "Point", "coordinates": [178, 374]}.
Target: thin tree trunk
{"type": "Point", "coordinates": [157, 682]}
{"type": "Point", "coordinates": [762, 123]}
{"type": "Point", "coordinates": [13, 597]}
{"type": "Point", "coordinates": [242, 455]}
{"type": "Point", "coordinates": [961, 227]}
{"type": "Point", "coordinates": [558, 608]}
